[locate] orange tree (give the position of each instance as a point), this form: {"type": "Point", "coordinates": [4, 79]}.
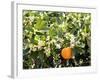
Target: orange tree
{"type": "Point", "coordinates": [47, 33]}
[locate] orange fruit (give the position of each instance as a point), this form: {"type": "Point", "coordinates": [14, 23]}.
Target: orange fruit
{"type": "Point", "coordinates": [66, 53]}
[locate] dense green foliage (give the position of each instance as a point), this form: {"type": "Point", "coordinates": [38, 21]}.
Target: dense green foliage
{"type": "Point", "coordinates": [46, 33]}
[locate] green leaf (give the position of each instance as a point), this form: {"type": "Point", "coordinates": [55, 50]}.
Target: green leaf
{"type": "Point", "coordinates": [41, 24]}
{"type": "Point", "coordinates": [52, 32]}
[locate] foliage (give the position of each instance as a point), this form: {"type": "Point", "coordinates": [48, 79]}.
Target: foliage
{"type": "Point", "coordinates": [46, 33]}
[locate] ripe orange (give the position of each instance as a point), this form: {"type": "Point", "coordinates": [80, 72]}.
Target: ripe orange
{"type": "Point", "coordinates": [66, 53]}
